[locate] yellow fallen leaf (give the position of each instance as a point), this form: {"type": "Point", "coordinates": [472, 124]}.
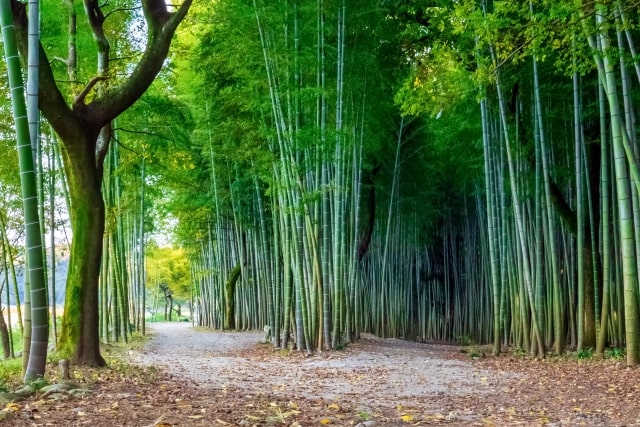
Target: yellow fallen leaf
{"type": "Point", "coordinates": [399, 407]}
{"type": "Point", "coordinates": [334, 406]}
{"type": "Point", "coordinates": [325, 421]}
{"type": "Point", "coordinates": [407, 418]}
{"type": "Point", "coordinates": [161, 424]}
{"type": "Point", "coordinates": [224, 423]}
{"type": "Point", "coordinates": [435, 416]}
{"type": "Point", "coordinates": [195, 417]}
{"type": "Point", "coordinates": [13, 407]}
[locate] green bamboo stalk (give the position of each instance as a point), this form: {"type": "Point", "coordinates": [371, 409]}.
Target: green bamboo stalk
{"type": "Point", "coordinates": [558, 317]}
{"type": "Point", "coordinates": [491, 227]}
{"type": "Point", "coordinates": [605, 227]}
{"type": "Point", "coordinates": [629, 267]}
{"type": "Point", "coordinates": [524, 256]}
{"type": "Point", "coordinates": [40, 334]}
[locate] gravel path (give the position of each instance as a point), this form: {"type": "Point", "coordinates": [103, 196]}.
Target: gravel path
{"type": "Point", "coordinates": [371, 374]}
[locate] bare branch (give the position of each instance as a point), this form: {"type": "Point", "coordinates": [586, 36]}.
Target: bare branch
{"type": "Point", "coordinates": [63, 60]}
{"type": "Point", "coordinates": [141, 132]}
{"type": "Point", "coordinates": [121, 9]}
{"type": "Point", "coordinates": [80, 98]}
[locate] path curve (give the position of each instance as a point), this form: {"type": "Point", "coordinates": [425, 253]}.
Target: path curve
{"type": "Point", "coordinates": [372, 373]}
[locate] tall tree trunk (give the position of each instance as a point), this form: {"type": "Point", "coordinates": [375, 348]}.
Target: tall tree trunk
{"type": "Point", "coordinates": [4, 335]}
{"type": "Point", "coordinates": [79, 336]}
{"type": "Point", "coordinates": [229, 297]}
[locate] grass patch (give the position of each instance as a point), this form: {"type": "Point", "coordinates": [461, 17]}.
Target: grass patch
{"type": "Point", "coordinates": [585, 354]}
{"type": "Point", "coordinates": [10, 374]}
{"type": "Point", "coordinates": [464, 340]}
{"type": "Point", "coordinates": [615, 353]}
{"type": "Point", "coordinates": [159, 317]}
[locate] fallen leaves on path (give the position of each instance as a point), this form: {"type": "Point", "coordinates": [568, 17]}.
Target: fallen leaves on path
{"type": "Point", "coordinates": [517, 391]}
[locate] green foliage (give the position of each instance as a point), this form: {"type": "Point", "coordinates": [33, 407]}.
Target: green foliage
{"type": "Point", "coordinates": [519, 352]}
{"type": "Point", "coordinates": [157, 128]}
{"type": "Point", "coordinates": [10, 374]}
{"type": "Point", "coordinates": [615, 353]}
{"type": "Point", "coordinates": [438, 82]}
{"type": "Point", "coordinates": [364, 415]}
{"type": "Point", "coordinates": [584, 354]}
{"type": "Point", "coordinates": [464, 340]}
{"type": "Point", "coordinates": [159, 317]}
{"type": "Point", "coordinates": [168, 265]}
{"type": "Point", "coordinates": [37, 383]}
{"type": "Point", "coordinates": [474, 352]}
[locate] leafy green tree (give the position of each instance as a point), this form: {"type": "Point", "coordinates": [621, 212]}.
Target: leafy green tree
{"type": "Point", "coordinates": [169, 265]}
{"type": "Point", "coordinates": [79, 122]}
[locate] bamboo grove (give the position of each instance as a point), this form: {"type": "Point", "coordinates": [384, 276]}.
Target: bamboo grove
{"type": "Point", "coordinates": [425, 171]}
{"type": "Point", "coordinates": [428, 170]}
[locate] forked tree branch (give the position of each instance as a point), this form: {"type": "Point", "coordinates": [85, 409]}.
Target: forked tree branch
{"type": "Point", "coordinates": [80, 98]}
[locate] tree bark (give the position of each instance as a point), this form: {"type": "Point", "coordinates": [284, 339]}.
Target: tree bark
{"type": "Point", "coordinates": [79, 337]}
{"type": "Point", "coordinates": [229, 297]}
{"type": "Point", "coordinates": [4, 336]}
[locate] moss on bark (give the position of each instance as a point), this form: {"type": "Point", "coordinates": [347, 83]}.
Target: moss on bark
{"type": "Point", "coordinates": [229, 297]}
{"type": "Point", "coordinates": [79, 338]}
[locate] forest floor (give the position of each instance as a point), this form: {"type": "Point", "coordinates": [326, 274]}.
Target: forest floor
{"type": "Point", "coordinates": [192, 377]}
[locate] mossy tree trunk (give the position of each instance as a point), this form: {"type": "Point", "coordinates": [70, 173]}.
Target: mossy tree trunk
{"type": "Point", "coordinates": [78, 126]}
{"type": "Point", "coordinates": [229, 297]}
{"type": "Point", "coordinates": [4, 336]}
{"type": "Point", "coordinates": [80, 323]}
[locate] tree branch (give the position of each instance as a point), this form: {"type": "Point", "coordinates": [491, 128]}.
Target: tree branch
{"type": "Point", "coordinates": [162, 26]}
{"type": "Point", "coordinates": [80, 98]}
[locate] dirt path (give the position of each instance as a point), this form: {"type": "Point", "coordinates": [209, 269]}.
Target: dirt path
{"type": "Point", "coordinates": [372, 375]}
{"type": "Point", "coordinates": [393, 382]}
{"type": "Point", "coordinates": [209, 378]}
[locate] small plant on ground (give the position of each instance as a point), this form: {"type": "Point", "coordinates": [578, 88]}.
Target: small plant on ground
{"type": "Point", "coordinates": [585, 353]}
{"type": "Point", "coordinates": [364, 415]}
{"type": "Point", "coordinates": [38, 383]}
{"type": "Point", "coordinates": [464, 340]}
{"type": "Point", "coordinates": [519, 352]}
{"type": "Point", "coordinates": [474, 352]}
{"type": "Point", "coordinates": [10, 374]}
{"type": "Point", "coordinates": [615, 353]}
